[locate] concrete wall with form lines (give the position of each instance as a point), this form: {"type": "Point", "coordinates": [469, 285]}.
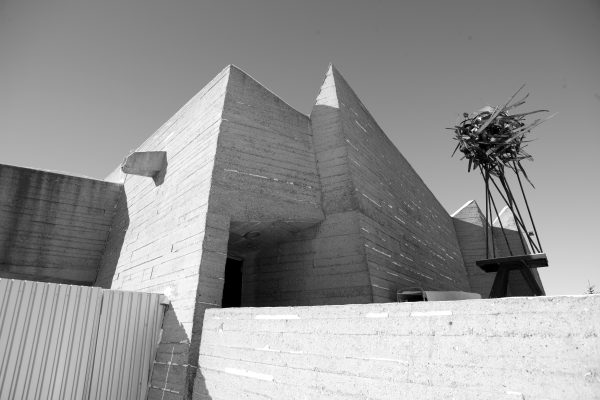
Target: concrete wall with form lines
{"type": "Point", "coordinates": [53, 227]}
{"type": "Point", "coordinates": [407, 237]}
{"type": "Point", "coordinates": [530, 348]}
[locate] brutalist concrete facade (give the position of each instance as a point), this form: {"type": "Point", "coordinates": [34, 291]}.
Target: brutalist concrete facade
{"type": "Point", "coordinates": [319, 209]}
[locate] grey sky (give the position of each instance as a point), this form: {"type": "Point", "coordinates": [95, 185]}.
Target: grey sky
{"type": "Point", "coordinates": [83, 82]}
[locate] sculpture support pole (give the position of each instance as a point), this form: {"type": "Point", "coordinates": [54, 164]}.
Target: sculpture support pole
{"type": "Point", "coordinates": [514, 207]}
{"type": "Point", "coordinates": [502, 226]}
{"type": "Point", "coordinates": [528, 210]}
{"type": "Point", "coordinates": [518, 222]}
{"type": "Point", "coordinates": [489, 206]}
{"type": "Point", "coordinates": [487, 219]}
{"type": "Point", "coordinates": [497, 213]}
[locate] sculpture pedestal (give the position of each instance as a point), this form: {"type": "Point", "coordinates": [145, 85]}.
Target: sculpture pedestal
{"type": "Point", "coordinates": [503, 266]}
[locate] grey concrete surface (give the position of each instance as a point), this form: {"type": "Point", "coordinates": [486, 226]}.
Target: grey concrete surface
{"type": "Point", "coordinates": [513, 348]}
{"type": "Point", "coordinates": [53, 226]}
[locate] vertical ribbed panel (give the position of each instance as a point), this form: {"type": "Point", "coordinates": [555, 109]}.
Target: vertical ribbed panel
{"type": "Point", "coordinates": [47, 339]}
{"type": "Point", "coordinates": [129, 333]}
{"type": "Point", "coordinates": [72, 342]}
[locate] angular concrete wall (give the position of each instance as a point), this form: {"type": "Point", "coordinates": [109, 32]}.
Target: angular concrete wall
{"type": "Point", "coordinates": [408, 237]}
{"type": "Point", "coordinates": [53, 227]}
{"type": "Point", "coordinates": [265, 168]}
{"type": "Point", "coordinates": [513, 348]}
{"type": "Point", "coordinates": [320, 265]}
{"type": "Point", "coordinates": [236, 155]}
{"type": "Point", "coordinates": [162, 229]}
{"type": "Point", "coordinates": [337, 214]}
{"type": "Point", "coordinates": [266, 181]}
{"type": "Point", "coordinates": [383, 228]}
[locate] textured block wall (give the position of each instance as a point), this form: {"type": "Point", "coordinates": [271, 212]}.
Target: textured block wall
{"type": "Point", "coordinates": [408, 237]}
{"type": "Point", "coordinates": [510, 349]}
{"type": "Point", "coordinates": [53, 227]}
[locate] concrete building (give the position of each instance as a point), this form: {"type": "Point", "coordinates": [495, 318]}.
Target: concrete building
{"type": "Point", "coordinates": [256, 204]}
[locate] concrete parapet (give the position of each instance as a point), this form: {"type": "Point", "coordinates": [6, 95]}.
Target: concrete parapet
{"type": "Point", "coordinates": [512, 348]}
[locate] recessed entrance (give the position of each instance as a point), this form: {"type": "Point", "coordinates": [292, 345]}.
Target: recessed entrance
{"type": "Point", "coordinates": [232, 289]}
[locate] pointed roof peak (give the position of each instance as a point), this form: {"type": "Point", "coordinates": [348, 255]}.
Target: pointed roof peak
{"type": "Point", "coordinates": [468, 204]}
{"type": "Point", "coordinates": [327, 92]}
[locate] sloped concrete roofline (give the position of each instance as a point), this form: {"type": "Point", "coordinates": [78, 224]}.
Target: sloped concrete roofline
{"type": "Point", "coordinates": [338, 78]}
{"type": "Point", "coordinates": [50, 171]}
{"type": "Point", "coordinates": [264, 86]}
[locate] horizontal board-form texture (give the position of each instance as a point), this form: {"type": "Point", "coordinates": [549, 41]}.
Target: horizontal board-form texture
{"type": "Point", "coordinates": [162, 231]}
{"type": "Point", "coordinates": [73, 342]}
{"type": "Point", "coordinates": [514, 348]}
{"type": "Point", "coordinates": [321, 265]}
{"type": "Point", "coordinates": [265, 167]}
{"type": "Point", "coordinates": [408, 237]}
{"type": "Point", "coordinates": [53, 227]}
{"type": "Point", "coordinates": [266, 170]}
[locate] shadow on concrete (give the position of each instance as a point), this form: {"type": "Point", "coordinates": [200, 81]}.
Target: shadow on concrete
{"type": "Point", "coordinates": [114, 243]}
{"type": "Point", "coordinates": [175, 371]}
{"type": "Point", "coordinates": [176, 374]}
{"type": "Point", "coordinates": [160, 177]}
{"type": "Point", "coordinates": [42, 235]}
{"type": "Point", "coordinates": [13, 197]}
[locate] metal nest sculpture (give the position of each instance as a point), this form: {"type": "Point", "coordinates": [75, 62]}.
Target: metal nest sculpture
{"type": "Point", "coordinates": [493, 140]}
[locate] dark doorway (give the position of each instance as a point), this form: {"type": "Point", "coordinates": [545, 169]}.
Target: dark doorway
{"type": "Point", "coordinates": [232, 290]}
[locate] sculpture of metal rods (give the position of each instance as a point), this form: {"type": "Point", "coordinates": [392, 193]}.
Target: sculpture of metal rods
{"type": "Point", "coordinates": [493, 140]}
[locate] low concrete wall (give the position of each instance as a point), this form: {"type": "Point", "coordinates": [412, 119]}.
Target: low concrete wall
{"type": "Point", "coordinates": [513, 348]}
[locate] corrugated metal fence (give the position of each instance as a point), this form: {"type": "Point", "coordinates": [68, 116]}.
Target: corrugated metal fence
{"type": "Point", "coordinates": [75, 342]}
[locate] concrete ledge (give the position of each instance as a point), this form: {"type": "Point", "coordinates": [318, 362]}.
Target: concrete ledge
{"type": "Point", "coordinates": [145, 163]}
{"type": "Point", "coordinates": [512, 348]}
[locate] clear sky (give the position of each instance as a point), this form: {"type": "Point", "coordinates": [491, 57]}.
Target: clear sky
{"type": "Point", "coordinates": [83, 82]}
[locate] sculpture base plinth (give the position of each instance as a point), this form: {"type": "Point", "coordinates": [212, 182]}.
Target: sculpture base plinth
{"type": "Point", "coordinates": [504, 265]}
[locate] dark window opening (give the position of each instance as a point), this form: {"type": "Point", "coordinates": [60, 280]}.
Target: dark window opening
{"type": "Point", "coordinates": [232, 290]}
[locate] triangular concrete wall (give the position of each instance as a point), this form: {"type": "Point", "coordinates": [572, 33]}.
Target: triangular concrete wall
{"type": "Point", "coordinates": [408, 237]}
{"type": "Point", "coordinates": [161, 232]}
{"type": "Point", "coordinates": [469, 223]}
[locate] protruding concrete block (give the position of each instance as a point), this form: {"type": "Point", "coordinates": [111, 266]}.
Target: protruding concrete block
{"type": "Point", "coordinates": [146, 163]}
